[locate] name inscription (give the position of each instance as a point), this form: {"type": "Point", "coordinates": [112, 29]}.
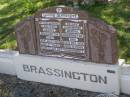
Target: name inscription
{"type": "Point", "coordinates": [60, 15]}
{"type": "Point", "coordinates": [54, 72]}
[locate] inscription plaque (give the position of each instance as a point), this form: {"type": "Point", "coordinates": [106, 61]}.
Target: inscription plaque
{"type": "Point", "coordinates": [61, 32]}
{"type": "Point", "coordinates": [68, 33]}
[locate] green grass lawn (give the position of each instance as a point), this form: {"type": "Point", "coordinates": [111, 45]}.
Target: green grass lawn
{"type": "Point", "coordinates": [117, 14]}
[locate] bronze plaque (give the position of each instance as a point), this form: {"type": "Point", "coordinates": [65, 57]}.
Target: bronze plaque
{"type": "Point", "coordinates": [68, 33]}
{"type": "Point", "coordinates": [61, 32]}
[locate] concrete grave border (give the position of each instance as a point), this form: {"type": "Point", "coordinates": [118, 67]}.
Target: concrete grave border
{"type": "Point", "coordinates": [10, 63]}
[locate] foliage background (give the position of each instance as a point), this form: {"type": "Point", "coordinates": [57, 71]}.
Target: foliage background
{"type": "Point", "coordinates": [116, 14]}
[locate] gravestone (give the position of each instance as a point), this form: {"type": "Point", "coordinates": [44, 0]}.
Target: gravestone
{"type": "Point", "coordinates": [69, 33]}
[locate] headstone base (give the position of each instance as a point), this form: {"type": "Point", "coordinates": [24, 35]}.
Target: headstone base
{"type": "Point", "coordinates": [69, 73]}
{"type": "Point", "coordinates": [74, 74]}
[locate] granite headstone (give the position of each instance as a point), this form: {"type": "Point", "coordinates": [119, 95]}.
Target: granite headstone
{"type": "Point", "coordinates": [67, 33]}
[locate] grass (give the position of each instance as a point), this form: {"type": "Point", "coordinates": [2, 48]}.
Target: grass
{"type": "Point", "coordinates": [117, 14]}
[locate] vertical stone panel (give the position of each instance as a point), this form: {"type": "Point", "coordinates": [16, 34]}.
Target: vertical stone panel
{"type": "Point", "coordinates": [103, 46]}
{"type": "Point", "coordinates": [114, 45]}
{"type": "Point", "coordinates": [106, 51]}
{"type": "Point", "coordinates": [108, 44]}
{"type": "Point", "coordinates": [94, 42]}
{"type": "Point", "coordinates": [25, 34]}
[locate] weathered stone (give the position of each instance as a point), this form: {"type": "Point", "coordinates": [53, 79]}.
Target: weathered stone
{"type": "Point", "coordinates": [25, 34]}
{"type": "Point", "coordinates": [68, 33]}
{"type": "Point", "coordinates": [102, 43]}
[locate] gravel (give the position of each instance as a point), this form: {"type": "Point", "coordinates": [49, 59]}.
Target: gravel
{"type": "Point", "coordinates": [11, 86]}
